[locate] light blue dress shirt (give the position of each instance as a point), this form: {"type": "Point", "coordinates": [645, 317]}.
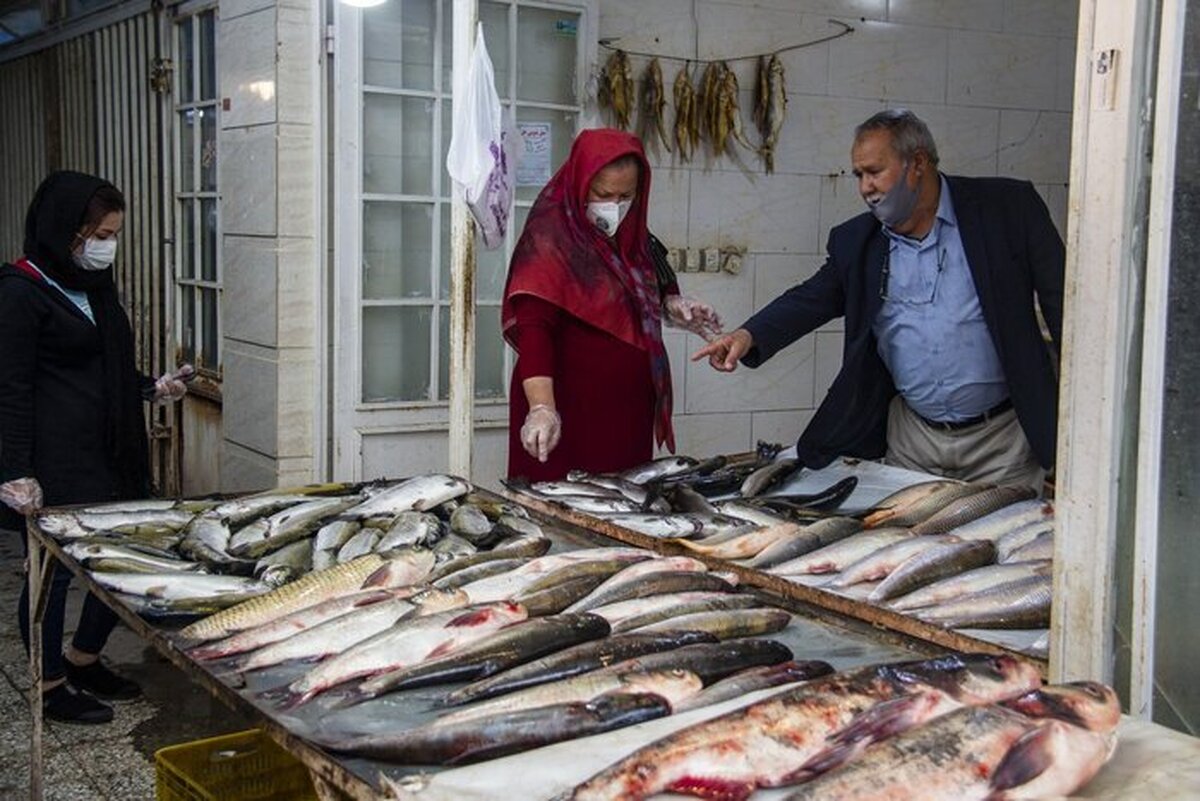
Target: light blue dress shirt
{"type": "Point", "coordinates": [930, 328]}
{"type": "Point", "coordinates": [78, 297]}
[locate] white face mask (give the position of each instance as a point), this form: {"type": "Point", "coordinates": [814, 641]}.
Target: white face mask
{"type": "Point", "coordinates": [607, 216]}
{"type": "Point", "coordinates": [97, 254]}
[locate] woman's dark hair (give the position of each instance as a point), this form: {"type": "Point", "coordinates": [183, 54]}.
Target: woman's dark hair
{"type": "Point", "coordinates": [105, 201]}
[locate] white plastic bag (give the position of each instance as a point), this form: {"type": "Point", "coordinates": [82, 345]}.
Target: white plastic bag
{"type": "Point", "coordinates": [481, 149]}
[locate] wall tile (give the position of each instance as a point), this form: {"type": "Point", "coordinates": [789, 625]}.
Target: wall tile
{"type": "Point", "coordinates": [703, 435]}
{"type": "Point", "coordinates": [1055, 196]}
{"type": "Point", "coordinates": [840, 202]}
{"type": "Point", "coordinates": [782, 427]}
{"type": "Point", "coordinates": [774, 275]}
{"type": "Point", "coordinates": [244, 470]}
{"type": "Point", "coordinates": [785, 382]}
{"type": "Point", "coordinates": [774, 214]}
{"type": "Point", "coordinates": [731, 295]}
{"type": "Point", "coordinates": [818, 133]}
{"type": "Point", "coordinates": [232, 9]}
{"type": "Point", "coordinates": [246, 50]}
{"type": "Point", "coordinates": [678, 345]}
{"type": "Point", "coordinates": [664, 26]}
{"type": "Point", "coordinates": [966, 137]}
{"type": "Point", "coordinates": [1054, 18]}
{"type": "Point", "coordinates": [299, 63]}
{"type": "Point", "coordinates": [297, 401]}
{"type": "Point", "coordinates": [299, 176]}
{"type": "Point", "coordinates": [247, 166]}
{"type": "Point", "coordinates": [251, 395]}
{"type": "Point", "coordinates": [1035, 145]}
{"type": "Point", "coordinates": [669, 196]}
{"type": "Point", "coordinates": [728, 30]}
{"type": "Point", "coordinates": [1002, 70]}
{"type": "Point", "coordinates": [298, 280]}
{"type": "Point", "coordinates": [249, 301]}
{"type": "Point", "coordinates": [1064, 89]}
{"type": "Point", "coordinates": [976, 15]}
{"type": "Point", "coordinates": [871, 9]}
{"type": "Point", "coordinates": [899, 63]}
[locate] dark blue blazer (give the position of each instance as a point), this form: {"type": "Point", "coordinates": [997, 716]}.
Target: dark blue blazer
{"type": "Point", "coordinates": [1014, 253]}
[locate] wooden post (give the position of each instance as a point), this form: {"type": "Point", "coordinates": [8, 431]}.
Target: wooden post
{"type": "Point", "coordinates": [40, 565]}
{"type": "Point", "coordinates": [462, 272]}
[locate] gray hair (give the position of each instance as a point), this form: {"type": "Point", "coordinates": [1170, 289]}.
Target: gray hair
{"type": "Point", "coordinates": [909, 133]}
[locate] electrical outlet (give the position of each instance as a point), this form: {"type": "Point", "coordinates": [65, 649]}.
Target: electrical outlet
{"type": "Point", "coordinates": [693, 261]}
{"type": "Point", "coordinates": [732, 263]}
{"type": "Point", "coordinates": [712, 260]}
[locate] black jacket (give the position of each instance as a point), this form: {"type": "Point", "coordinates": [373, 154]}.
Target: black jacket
{"type": "Point", "coordinates": [1014, 253]}
{"type": "Point", "coordinates": [52, 395]}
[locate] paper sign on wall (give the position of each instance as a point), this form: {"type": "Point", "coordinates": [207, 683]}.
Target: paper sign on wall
{"type": "Point", "coordinates": [533, 168]}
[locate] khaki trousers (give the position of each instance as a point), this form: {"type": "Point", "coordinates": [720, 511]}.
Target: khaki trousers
{"type": "Point", "coordinates": [994, 451]}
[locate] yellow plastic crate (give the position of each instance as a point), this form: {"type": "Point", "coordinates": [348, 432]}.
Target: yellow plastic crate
{"type": "Point", "coordinates": [245, 766]}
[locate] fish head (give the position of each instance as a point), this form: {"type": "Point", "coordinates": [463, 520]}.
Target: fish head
{"type": "Point", "coordinates": [970, 678]}
{"type": "Point", "coordinates": [1087, 704]}
{"type": "Point", "coordinates": [434, 600]}
{"type": "Point", "coordinates": [673, 685]}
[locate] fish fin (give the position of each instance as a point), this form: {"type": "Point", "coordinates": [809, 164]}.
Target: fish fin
{"type": "Point", "coordinates": [375, 597]}
{"type": "Point", "coordinates": [378, 578]}
{"type": "Point", "coordinates": [885, 719]}
{"type": "Point", "coordinates": [712, 788]}
{"type": "Point", "coordinates": [1027, 759]}
{"type": "Point", "coordinates": [471, 618]}
{"type": "Point", "coordinates": [822, 762]}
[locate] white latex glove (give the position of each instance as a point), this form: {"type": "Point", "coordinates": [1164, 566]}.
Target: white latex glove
{"type": "Point", "coordinates": [171, 386]}
{"type": "Point", "coordinates": [24, 495]}
{"type": "Point", "coordinates": [541, 431]}
{"type": "Point", "coordinates": [692, 315]}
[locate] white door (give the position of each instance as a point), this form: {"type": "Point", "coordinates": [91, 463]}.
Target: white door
{"type": "Point", "coordinates": [391, 263]}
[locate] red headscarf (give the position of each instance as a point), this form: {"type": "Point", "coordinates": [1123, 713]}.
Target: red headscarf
{"type": "Point", "coordinates": [607, 283]}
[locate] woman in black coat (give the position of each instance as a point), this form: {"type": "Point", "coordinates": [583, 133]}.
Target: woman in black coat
{"type": "Point", "coordinates": [71, 421]}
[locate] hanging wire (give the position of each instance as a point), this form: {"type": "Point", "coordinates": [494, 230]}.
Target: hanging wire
{"type": "Point", "coordinates": [607, 44]}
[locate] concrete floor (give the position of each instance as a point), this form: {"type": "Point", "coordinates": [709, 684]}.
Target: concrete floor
{"type": "Point", "coordinates": [113, 761]}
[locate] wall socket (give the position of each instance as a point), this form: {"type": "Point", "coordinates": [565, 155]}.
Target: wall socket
{"type": "Point", "coordinates": [712, 260]}
{"type": "Point", "coordinates": [692, 263]}
{"type": "Point", "coordinates": [732, 263]}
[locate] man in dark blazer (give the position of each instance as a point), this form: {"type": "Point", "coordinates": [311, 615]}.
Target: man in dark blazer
{"type": "Point", "coordinates": [945, 368]}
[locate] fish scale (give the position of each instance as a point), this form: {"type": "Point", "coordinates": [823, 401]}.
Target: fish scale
{"type": "Point", "coordinates": [972, 507]}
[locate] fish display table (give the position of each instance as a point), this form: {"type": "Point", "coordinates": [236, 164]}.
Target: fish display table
{"type": "Point", "coordinates": [816, 631]}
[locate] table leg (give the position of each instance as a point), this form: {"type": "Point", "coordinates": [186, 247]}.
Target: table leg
{"type": "Point", "coordinates": [40, 563]}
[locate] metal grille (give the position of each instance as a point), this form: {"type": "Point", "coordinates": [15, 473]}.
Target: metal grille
{"type": "Point", "coordinates": [89, 104]}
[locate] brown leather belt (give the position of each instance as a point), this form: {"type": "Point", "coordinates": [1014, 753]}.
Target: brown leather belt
{"type": "Point", "coordinates": [957, 425]}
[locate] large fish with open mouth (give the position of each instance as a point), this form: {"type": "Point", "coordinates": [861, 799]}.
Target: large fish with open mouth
{"type": "Point", "coordinates": [1057, 741]}
{"type": "Point", "coordinates": [765, 743]}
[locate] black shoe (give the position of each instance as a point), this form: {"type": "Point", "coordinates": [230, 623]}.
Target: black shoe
{"type": "Point", "coordinates": [102, 682]}
{"type": "Point", "coordinates": [67, 705]}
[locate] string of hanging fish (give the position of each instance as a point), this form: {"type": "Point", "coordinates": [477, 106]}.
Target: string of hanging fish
{"type": "Point", "coordinates": [705, 95]}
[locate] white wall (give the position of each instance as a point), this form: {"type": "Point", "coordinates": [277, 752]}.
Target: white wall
{"type": "Point", "coordinates": [992, 78]}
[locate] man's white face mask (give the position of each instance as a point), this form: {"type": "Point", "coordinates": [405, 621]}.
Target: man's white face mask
{"type": "Point", "coordinates": [607, 216]}
{"type": "Point", "coordinates": [97, 254]}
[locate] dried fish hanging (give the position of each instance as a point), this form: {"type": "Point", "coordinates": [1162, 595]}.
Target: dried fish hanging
{"type": "Point", "coordinates": [770, 106]}
{"type": "Point", "coordinates": [616, 88]}
{"type": "Point", "coordinates": [687, 120]}
{"type": "Point", "coordinates": [653, 102]}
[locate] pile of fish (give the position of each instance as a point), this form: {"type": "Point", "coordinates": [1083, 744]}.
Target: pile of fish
{"type": "Point", "coordinates": [964, 726]}
{"type": "Point", "coordinates": [954, 554]}
{"type": "Point", "coordinates": [196, 557]}
{"type": "Point", "coordinates": [552, 645]}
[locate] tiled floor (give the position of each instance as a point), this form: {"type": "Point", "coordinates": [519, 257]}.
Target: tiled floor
{"type": "Point", "coordinates": [113, 761]}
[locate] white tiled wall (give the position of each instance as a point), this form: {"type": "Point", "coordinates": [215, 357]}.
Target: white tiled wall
{"type": "Point", "coordinates": [992, 78]}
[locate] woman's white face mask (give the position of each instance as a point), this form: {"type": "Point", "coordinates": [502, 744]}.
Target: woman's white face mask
{"type": "Point", "coordinates": [607, 215]}
{"type": "Point", "coordinates": [97, 254]}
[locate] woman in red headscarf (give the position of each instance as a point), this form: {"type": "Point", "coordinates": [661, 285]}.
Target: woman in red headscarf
{"type": "Point", "coordinates": [584, 310]}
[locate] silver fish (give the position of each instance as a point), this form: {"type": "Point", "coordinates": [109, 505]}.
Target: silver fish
{"type": "Point", "coordinates": [1009, 518]}
{"type": "Point", "coordinates": [590, 505]}
{"type": "Point", "coordinates": [470, 523]}
{"type": "Point", "coordinates": [815, 535]}
{"type": "Point", "coordinates": [363, 542]}
{"type": "Point", "coordinates": [635, 573]}
{"type": "Point", "coordinates": [836, 557]}
{"type": "Point", "coordinates": [1040, 547]}
{"type": "Point", "coordinates": [402, 568]}
{"type": "Point", "coordinates": [768, 477]}
{"type": "Point", "coordinates": [284, 527]}
{"type": "Point", "coordinates": [329, 539]}
{"type": "Point", "coordinates": [1021, 537]}
{"type": "Point", "coordinates": [550, 489]}
{"type": "Point", "coordinates": [143, 505]}
{"type": "Point", "coordinates": [174, 586]}
{"type": "Point", "coordinates": [750, 513]}
{"type": "Point", "coordinates": [658, 469]}
{"type": "Point", "coordinates": [754, 679]}
{"type": "Point", "coordinates": [880, 564]}
{"type": "Point", "coordinates": [637, 612]}
{"type": "Point", "coordinates": [749, 544]}
{"type": "Point", "coordinates": [1021, 604]}
{"type": "Point", "coordinates": [510, 584]}
{"type": "Point", "coordinates": [297, 557]}
{"type": "Point", "coordinates": [679, 526]}
{"type": "Point", "coordinates": [725, 624]}
{"type": "Point", "coordinates": [89, 554]}
{"type": "Point", "coordinates": [414, 528]}
{"type": "Point", "coordinates": [243, 510]}
{"type": "Point", "coordinates": [972, 507]}
{"type": "Point", "coordinates": [206, 539]}
{"type": "Point", "coordinates": [968, 583]}
{"type": "Point", "coordinates": [453, 546]}
{"type": "Point", "coordinates": [516, 548]}
{"type": "Point", "coordinates": [913, 504]}
{"type": "Point", "coordinates": [421, 494]}
{"type": "Point", "coordinates": [947, 558]}
{"type": "Point", "coordinates": [493, 567]}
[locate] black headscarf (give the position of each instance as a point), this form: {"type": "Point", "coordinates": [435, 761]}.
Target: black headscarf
{"type": "Point", "coordinates": [55, 216]}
